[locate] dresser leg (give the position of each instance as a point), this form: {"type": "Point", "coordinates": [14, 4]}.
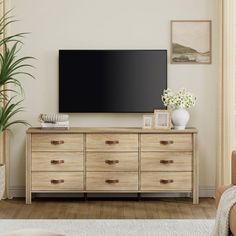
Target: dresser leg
{"type": "Point", "coordinates": [195, 199]}
{"type": "Point", "coordinates": [28, 199]}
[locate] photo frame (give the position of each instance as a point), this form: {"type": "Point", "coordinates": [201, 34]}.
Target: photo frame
{"type": "Point", "coordinates": [191, 42]}
{"type": "Point", "coordinates": [162, 119]}
{"type": "Point", "coordinates": [147, 121]}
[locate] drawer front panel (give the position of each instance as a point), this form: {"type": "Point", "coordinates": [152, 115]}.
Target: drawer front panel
{"type": "Point", "coordinates": [57, 161]}
{"type": "Point", "coordinates": [57, 142]}
{"type": "Point", "coordinates": [165, 181]}
{"type": "Point", "coordinates": [112, 142]}
{"type": "Point", "coordinates": [112, 181]}
{"type": "Point", "coordinates": [107, 161]}
{"type": "Point", "coordinates": [166, 161]}
{"type": "Point", "coordinates": [166, 142]}
{"type": "Point", "coordinates": [56, 181]}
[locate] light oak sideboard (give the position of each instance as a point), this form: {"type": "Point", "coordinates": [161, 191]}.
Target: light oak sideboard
{"type": "Point", "coordinates": [111, 160]}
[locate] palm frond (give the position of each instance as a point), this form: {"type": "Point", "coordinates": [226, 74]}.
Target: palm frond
{"type": "Point", "coordinates": [4, 96]}
{"type": "Point", "coordinates": [10, 66]}
{"type": "Point", "coordinates": [12, 69]}
{"type": "Point", "coordinates": [6, 20]}
{"type": "Point", "coordinates": [16, 122]}
{"type": "Point", "coordinates": [8, 112]}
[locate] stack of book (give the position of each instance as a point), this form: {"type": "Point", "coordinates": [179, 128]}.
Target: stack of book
{"type": "Point", "coordinates": [54, 121]}
{"type": "Point", "coordinates": [55, 125]}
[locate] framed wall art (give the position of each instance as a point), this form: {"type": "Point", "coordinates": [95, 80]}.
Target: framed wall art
{"type": "Point", "coordinates": [191, 42]}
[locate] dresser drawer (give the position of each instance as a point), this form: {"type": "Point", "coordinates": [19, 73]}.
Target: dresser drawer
{"type": "Point", "coordinates": [166, 142]}
{"type": "Point", "coordinates": [57, 142]}
{"type": "Point", "coordinates": [166, 161]}
{"type": "Point", "coordinates": [57, 161]}
{"type": "Point", "coordinates": [112, 142]}
{"type": "Point", "coordinates": [107, 161]}
{"type": "Point", "coordinates": [57, 181]}
{"type": "Point", "coordinates": [112, 181]}
{"type": "Point", "coordinates": [165, 181]}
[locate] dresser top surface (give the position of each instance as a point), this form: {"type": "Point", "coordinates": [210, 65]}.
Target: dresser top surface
{"type": "Point", "coordinates": [110, 130]}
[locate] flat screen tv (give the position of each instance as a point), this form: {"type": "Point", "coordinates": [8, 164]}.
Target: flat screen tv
{"type": "Point", "coordinates": [111, 80]}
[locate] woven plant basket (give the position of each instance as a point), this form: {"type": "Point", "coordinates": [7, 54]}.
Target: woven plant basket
{"type": "Point", "coordinates": [2, 180]}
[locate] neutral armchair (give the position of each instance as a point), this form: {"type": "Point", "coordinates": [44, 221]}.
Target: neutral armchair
{"type": "Point", "coordinates": [220, 190]}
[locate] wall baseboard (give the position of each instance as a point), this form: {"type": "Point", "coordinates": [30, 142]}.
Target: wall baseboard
{"type": "Point", "coordinates": [17, 191]}
{"type": "Point", "coordinates": [204, 191]}
{"type": "Point", "coordinates": [207, 191]}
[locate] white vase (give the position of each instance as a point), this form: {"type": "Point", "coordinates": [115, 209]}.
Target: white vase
{"type": "Point", "coordinates": [2, 180]}
{"type": "Point", "coordinates": [180, 117]}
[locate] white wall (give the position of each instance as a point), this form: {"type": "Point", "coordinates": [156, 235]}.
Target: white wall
{"type": "Point", "coordinates": [113, 24]}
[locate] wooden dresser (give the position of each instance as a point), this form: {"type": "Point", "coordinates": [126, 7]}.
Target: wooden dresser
{"type": "Point", "coordinates": [105, 160]}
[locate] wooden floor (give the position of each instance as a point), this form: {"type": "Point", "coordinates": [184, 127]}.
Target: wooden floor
{"type": "Point", "coordinates": [180, 208]}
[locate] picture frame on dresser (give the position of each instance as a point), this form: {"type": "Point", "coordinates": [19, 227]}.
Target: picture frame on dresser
{"type": "Point", "coordinates": [162, 119]}
{"type": "Point", "coordinates": [147, 121]}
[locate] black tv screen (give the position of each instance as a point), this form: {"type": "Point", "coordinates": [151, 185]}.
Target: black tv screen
{"type": "Point", "coordinates": [111, 80]}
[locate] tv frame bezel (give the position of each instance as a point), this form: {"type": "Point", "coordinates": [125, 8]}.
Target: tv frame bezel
{"type": "Point", "coordinates": [109, 112]}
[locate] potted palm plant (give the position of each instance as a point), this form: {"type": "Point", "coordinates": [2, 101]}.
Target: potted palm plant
{"type": "Point", "coordinates": [12, 67]}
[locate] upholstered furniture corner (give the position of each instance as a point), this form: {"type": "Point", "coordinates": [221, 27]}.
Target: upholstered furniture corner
{"type": "Point", "coordinates": [220, 190]}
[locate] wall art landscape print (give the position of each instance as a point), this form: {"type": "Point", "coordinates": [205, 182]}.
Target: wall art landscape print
{"type": "Point", "coordinates": [191, 42]}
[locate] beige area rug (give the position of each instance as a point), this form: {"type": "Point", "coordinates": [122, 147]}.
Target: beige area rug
{"type": "Point", "coordinates": [114, 227]}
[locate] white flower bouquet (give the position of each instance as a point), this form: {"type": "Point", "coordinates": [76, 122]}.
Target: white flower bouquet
{"type": "Point", "coordinates": [181, 99]}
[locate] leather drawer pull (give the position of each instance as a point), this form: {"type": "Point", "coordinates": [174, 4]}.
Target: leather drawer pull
{"type": "Point", "coordinates": [166, 181]}
{"type": "Point", "coordinates": [57, 142]}
{"type": "Point", "coordinates": [111, 162]}
{"type": "Point", "coordinates": [166, 142]}
{"type": "Point", "coordinates": [56, 162]}
{"type": "Point", "coordinates": [57, 181]}
{"type": "Point", "coordinates": [112, 142]}
{"type": "Point", "coordinates": [112, 181]}
{"type": "Point", "coordinates": [166, 161]}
